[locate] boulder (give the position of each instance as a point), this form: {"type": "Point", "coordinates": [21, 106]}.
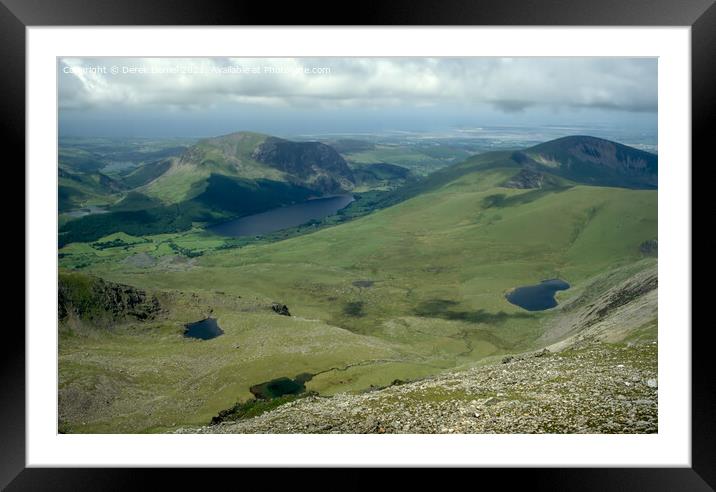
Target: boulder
{"type": "Point", "coordinates": [281, 309]}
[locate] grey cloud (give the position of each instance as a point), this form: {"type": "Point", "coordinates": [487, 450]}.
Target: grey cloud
{"type": "Point", "coordinates": [512, 106]}
{"type": "Point", "coordinates": [509, 84]}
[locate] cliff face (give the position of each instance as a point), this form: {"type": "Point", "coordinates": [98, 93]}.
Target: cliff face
{"type": "Point", "coordinates": [92, 298]}
{"type": "Point", "coordinates": [314, 163]}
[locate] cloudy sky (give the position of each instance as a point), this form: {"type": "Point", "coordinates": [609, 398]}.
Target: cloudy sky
{"type": "Point", "coordinates": [290, 96]}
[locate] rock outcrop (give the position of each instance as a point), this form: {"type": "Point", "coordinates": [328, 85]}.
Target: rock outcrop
{"type": "Point", "coordinates": [281, 309]}
{"type": "Point", "coordinates": [92, 298]}
{"type": "Point", "coordinates": [526, 179]}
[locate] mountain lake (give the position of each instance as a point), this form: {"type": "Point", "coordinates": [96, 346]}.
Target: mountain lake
{"type": "Point", "coordinates": [283, 217]}
{"type": "Point", "coordinates": [537, 297]}
{"type": "Point", "coordinates": [205, 329]}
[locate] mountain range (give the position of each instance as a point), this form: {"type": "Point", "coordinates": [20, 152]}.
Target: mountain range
{"type": "Point", "coordinates": [396, 319]}
{"type": "Point", "coordinates": [245, 173]}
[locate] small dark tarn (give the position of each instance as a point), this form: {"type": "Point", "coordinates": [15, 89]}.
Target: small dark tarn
{"type": "Point", "coordinates": [363, 283]}
{"type": "Point", "coordinates": [354, 309]}
{"type": "Point", "coordinates": [281, 386]}
{"type": "Point", "coordinates": [537, 297]}
{"type": "Point", "coordinates": [205, 329]}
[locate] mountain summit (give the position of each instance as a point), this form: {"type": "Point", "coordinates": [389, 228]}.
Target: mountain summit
{"type": "Point", "coordinates": [592, 160]}
{"type": "Point", "coordinates": [312, 165]}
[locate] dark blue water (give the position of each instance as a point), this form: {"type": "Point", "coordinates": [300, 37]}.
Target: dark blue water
{"type": "Point", "coordinates": [205, 329]}
{"type": "Point", "coordinates": [537, 297]}
{"type": "Point", "coordinates": [282, 218]}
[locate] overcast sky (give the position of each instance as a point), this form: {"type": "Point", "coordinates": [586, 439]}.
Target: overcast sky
{"type": "Point", "coordinates": [209, 96]}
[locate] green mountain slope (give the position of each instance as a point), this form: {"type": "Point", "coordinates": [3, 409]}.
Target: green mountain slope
{"type": "Point", "coordinates": [558, 163]}
{"type": "Point", "coordinates": [452, 244]}
{"type": "Point", "coordinates": [405, 292]}
{"type": "Point", "coordinates": [449, 252]}
{"type": "Point", "coordinates": [146, 173]}
{"type": "Point", "coordinates": [381, 175]}
{"type": "Point", "coordinates": [135, 201]}
{"type": "Point", "coordinates": [79, 160]}
{"type": "Point", "coordinates": [218, 178]}
{"type": "Point", "coordinates": [253, 156]}
{"type": "Point", "coordinates": [76, 188]}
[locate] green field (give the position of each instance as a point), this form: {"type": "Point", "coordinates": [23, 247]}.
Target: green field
{"type": "Point", "coordinates": [401, 293]}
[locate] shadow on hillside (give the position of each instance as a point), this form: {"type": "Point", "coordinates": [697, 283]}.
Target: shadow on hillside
{"type": "Point", "coordinates": [501, 200]}
{"type": "Point", "coordinates": [354, 309]}
{"type": "Point", "coordinates": [441, 308]}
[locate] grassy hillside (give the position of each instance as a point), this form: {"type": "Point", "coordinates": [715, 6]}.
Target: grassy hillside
{"type": "Point", "coordinates": [216, 179]}
{"type": "Point", "coordinates": [380, 176]}
{"type": "Point", "coordinates": [77, 189]}
{"type": "Point", "coordinates": [404, 292]}
{"type": "Point", "coordinates": [229, 155]}
{"type": "Point", "coordinates": [135, 201]}
{"type": "Point", "coordinates": [155, 220]}
{"type": "Point", "coordinates": [146, 173]}
{"type": "Point", "coordinates": [145, 376]}
{"type": "Point", "coordinates": [451, 244]}
{"type": "Point", "coordinates": [250, 156]}
{"type": "Point", "coordinates": [218, 198]}
{"type": "Point", "coordinates": [230, 175]}
{"type": "Point", "coordinates": [80, 160]}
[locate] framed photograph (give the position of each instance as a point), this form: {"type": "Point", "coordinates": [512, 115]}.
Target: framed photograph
{"type": "Point", "coordinates": [454, 237]}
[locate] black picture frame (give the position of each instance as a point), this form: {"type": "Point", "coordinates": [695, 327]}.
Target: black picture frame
{"type": "Point", "coordinates": [17, 15]}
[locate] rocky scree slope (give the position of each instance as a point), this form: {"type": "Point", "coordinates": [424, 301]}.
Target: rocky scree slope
{"type": "Point", "coordinates": [597, 389]}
